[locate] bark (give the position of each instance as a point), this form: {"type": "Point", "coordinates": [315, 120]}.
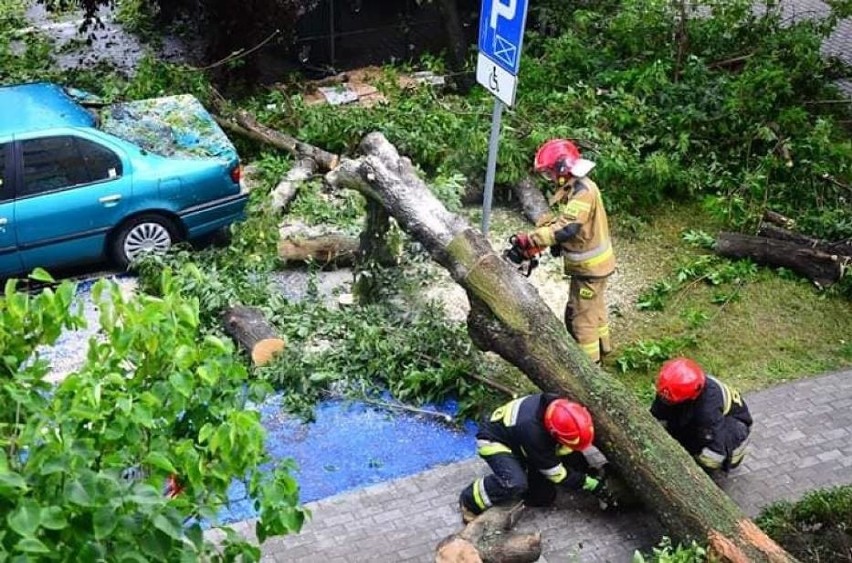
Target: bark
{"type": "Point", "coordinates": [821, 268]}
{"type": "Point", "coordinates": [339, 250]}
{"type": "Point", "coordinates": [374, 252]}
{"type": "Point", "coordinates": [286, 189]}
{"type": "Point", "coordinates": [487, 539]}
{"type": "Point", "coordinates": [778, 219]}
{"type": "Point", "coordinates": [769, 230]}
{"type": "Point", "coordinates": [533, 202]}
{"type": "Point", "coordinates": [509, 317]}
{"type": "Point", "coordinates": [250, 329]}
{"type": "Point", "coordinates": [325, 160]}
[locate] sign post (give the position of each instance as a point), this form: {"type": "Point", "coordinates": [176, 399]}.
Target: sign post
{"type": "Point", "coordinates": [501, 35]}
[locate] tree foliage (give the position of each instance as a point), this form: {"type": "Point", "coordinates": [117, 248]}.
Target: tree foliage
{"type": "Point", "coordinates": [84, 463]}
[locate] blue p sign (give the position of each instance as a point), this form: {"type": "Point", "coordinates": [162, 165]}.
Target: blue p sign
{"type": "Point", "coordinates": [501, 32]}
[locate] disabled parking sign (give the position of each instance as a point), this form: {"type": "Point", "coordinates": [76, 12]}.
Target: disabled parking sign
{"type": "Point", "coordinates": [501, 34]}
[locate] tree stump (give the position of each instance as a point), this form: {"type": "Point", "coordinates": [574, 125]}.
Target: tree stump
{"type": "Point", "coordinates": [487, 539]}
{"type": "Point", "coordinates": [249, 328]}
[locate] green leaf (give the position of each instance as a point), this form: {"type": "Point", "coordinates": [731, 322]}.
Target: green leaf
{"type": "Point", "coordinates": [41, 275]}
{"type": "Point", "coordinates": [167, 527]}
{"type": "Point", "coordinates": [181, 383]}
{"type": "Point", "coordinates": [133, 556]}
{"type": "Point", "coordinates": [31, 545]}
{"type": "Point", "coordinates": [104, 520]}
{"type": "Point", "coordinates": [53, 518]}
{"type": "Point", "coordinates": [160, 461]}
{"type": "Point", "coordinates": [78, 495]}
{"type": "Point", "coordinates": [51, 466]}
{"type": "Point", "coordinates": [25, 519]}
{"type": "Point", "coordinates": [11, 481]}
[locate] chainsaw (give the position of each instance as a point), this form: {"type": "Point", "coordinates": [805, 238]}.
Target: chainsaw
{"type": "Point", "coordinates": [525, 258]}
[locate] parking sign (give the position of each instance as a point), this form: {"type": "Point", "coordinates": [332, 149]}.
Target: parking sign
{"type": "Point", "coordinates": [501, 35]}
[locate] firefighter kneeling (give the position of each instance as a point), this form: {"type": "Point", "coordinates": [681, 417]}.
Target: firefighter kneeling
{"type": "Point", "coordinates": [707, 417]}
{"type": "Point", "coordinates": [525, 443]}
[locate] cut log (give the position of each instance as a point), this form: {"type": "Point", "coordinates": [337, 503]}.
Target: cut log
{"type": "Point", "coordinates": [340, 250]}
{"type": "Point", "coordinates": [533, 203]}
{"type": "Point", "coordinates": [508, 316]}
{"type": "Point", "coordinates": [778, 219]}
{"type": "Point", "coordinates": [487, 540]}
{"type": "Point", "coordinates": [821, 268]}
{"type": "Point", "coordinates": [249, 328]}
{"type": "Point", "coordinates": [285, 191]}
{"type": "Point", "coordinates": [769, 230]}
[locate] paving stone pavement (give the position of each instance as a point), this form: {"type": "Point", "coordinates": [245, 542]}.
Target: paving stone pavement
{"type": "Point", "coordinates": [801, 440]}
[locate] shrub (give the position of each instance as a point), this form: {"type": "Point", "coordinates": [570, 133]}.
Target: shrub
{"type": "Point", "coordinates": [817, 528]}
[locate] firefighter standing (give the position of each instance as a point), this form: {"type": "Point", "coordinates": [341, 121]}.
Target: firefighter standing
{"type": "Point", "coordinates": [707, 417]}
{"type": "Point", "coordinates": [579, 232]}
{"type": "Point", "coordinates": [525, 443]}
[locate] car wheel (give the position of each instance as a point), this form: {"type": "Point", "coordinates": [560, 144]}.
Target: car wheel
{"type": "Point", "coordinates": [145, 233]}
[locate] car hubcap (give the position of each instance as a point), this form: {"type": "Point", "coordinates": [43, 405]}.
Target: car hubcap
{"type": "Point", "coordinates": [147, 237]}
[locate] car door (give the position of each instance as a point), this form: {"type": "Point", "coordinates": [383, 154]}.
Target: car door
{"type": "Point", "coordinates": [72, 191]}
{"type": "Point", "coordinates": [10, 259]}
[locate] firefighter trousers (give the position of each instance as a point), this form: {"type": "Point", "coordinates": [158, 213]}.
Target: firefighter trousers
{"type": "Point", "coordinates": [511, 480]}
{"type": "Point", "coordinates": [586, 316]}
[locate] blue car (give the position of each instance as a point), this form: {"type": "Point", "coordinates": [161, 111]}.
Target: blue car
{"type": "Point", "coordinates": [82, 181]}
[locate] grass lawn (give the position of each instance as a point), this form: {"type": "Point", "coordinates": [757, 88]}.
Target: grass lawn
{"type": "Point", "coordinates": [775, 328]}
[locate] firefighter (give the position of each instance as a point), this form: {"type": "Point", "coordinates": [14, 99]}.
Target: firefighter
{"type": "Point", "coordinates": [707, 417]}
{"type": "Point", "coordinates": [578, 230]}
{"type": "Point", "coordinates": [532, 444]}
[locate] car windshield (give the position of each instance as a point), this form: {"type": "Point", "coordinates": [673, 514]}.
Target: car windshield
{"type": "Point", "coordinates": [175, 126]}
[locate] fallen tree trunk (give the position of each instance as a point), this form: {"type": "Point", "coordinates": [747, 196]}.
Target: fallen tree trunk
{"type": "Point", "coordinates": [249, 328]}
{"type": "Point", "coordinates": [821, 268]}
{"type": "Point", "coordinates": [340, 250]}
{"type": "Point", "coordinates": [286, 189]}
{"type": "Point", "coordinates": [779, 233]}
{"type": "Point", "coordinates": [487, 540]}
{"type": "Point", "coordinates": [509, 317]}
{"type": "Point", "coordinates": [533, 203]}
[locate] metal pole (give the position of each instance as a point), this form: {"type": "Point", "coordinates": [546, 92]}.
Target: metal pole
{"type": "Point", "coordinates": [493, 142]}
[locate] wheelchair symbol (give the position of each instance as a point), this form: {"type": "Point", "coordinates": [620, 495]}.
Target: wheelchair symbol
{"type": "Point", "coordinates": [495, 84]}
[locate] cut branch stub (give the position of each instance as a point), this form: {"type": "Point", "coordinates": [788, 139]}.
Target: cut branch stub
{"type": "Point", "coordinates": [249, 327]}
{"type": "Point", "coordinates": [508, 316]}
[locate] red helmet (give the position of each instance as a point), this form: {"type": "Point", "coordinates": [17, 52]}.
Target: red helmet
{"type": "Point", "coordinates": [680, 379]}
{"type": "Point", "coordinates": [570, 424]}
{"type": "Point", "coordinates": [559, 159]}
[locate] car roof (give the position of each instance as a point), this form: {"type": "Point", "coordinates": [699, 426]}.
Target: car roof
{"type": "Point", "coordinates": [39, 105]}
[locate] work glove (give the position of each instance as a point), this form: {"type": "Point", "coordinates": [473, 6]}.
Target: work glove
{"type": "Point", "coordinates": [606, 501]}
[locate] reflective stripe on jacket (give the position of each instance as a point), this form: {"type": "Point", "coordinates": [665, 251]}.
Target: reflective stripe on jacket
{"type": "Point", "coordinates": [517, 428]}
{"type": "Point", "coordinates": [713, 427]}
{"type": "Point", "coordinates": [589, 252]}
